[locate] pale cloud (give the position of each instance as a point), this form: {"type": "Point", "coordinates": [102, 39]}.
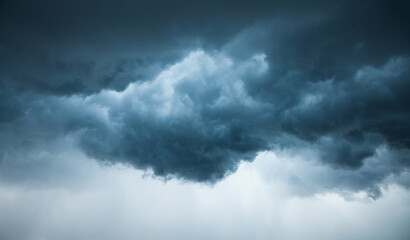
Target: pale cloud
{"type": "Point", "coordinates": [119, 202]}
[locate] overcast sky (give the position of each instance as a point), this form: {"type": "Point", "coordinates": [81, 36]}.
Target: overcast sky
{"type": "Point", "coordinates": [204, 119]}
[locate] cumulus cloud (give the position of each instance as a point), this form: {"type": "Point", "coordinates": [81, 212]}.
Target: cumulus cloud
{"type": "Point", "coordinates": [188, 122]}
{"type": "Point", "coordinates": [197, 121]}
{"type": "Point", "coordinates": [269, 76]}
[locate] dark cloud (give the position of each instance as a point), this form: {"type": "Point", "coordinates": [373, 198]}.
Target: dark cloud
{"type": "Point", "coordinates": [192, 121]}
{"type": "Point", "coordinates": [126, 79]}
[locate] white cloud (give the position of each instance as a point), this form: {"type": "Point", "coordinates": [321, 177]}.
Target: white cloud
{"type": "Point", "coordinates": [199, 79]}
{"type": "Point", "coordinates": [119, 203]}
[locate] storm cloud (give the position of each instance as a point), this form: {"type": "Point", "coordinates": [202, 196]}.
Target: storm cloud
{"type": "Point", "coordinates": [189, 90]}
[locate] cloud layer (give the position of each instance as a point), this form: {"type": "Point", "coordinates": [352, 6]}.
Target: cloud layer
{"type": "Point", "coordinates": [201, 88]}
{"type": "Point", "coordinates": [256, 201]}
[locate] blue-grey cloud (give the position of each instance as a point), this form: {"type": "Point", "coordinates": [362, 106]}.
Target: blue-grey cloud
{"type": "Point", "coordinates": [128, 83]}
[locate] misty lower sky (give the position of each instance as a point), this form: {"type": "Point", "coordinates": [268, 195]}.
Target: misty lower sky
{"type": "Point", "coordinates": [284, 120]}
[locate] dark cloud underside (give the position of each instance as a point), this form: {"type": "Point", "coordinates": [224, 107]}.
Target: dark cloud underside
{"type": "Point", "coordinates": [126, 80]}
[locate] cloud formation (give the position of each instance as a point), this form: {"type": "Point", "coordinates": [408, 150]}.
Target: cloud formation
{"type": "Point", "coordinates": [202, 88]}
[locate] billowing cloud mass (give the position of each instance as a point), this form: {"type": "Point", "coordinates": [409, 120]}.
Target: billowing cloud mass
{"type": "Point", "coordinates": [189, 90]}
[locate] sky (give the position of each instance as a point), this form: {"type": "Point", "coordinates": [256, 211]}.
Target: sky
{"type": "Point", "coordinates": [204, 119]}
